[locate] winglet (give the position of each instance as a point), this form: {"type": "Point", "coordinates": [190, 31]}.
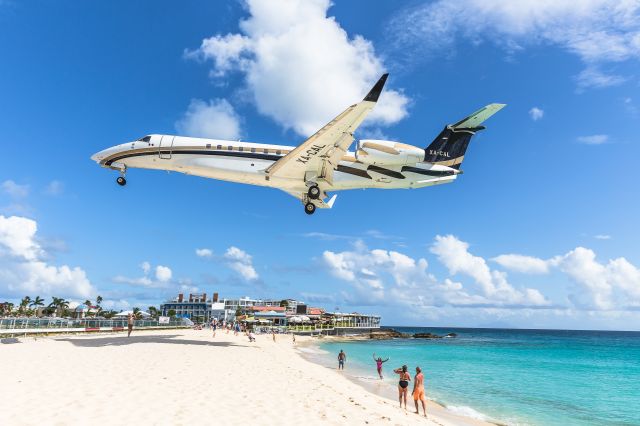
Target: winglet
{"type": "Point", "coordinates": [332, 200]}
{"type": "Point", "coordinates": [374, 93]}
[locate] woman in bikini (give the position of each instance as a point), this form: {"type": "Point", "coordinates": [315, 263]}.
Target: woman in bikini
{"type": "Point", "coordinates": [379, 361]}
{"type": "Point", "coordinates": [403, 384]}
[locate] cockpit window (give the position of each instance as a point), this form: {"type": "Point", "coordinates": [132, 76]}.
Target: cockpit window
{"type": "Point", "coordinates": [145, 139]}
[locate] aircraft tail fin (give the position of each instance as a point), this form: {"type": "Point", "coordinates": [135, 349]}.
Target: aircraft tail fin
{"type": "Point", "coordinates": [449, 146]}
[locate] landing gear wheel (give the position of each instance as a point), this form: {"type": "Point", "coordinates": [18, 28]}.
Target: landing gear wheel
{"type": "Point", "coordinates": [314, 192]}
{"type": "Point", "coordinates": [121, 181]}
{"type": "Point", "coordinates": [309, 208]}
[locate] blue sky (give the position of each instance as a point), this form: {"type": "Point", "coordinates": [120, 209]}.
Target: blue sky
{"type": "Point", "coordinates": [540, 231]}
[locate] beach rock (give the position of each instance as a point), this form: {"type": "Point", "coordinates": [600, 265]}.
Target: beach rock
{"type": "Point", "coordinates": [432, 336]}
{"type": "Point", "coordinates": [387, 333]}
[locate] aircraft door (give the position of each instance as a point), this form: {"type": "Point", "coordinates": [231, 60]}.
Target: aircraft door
{"type": "Point", "coordinates": [164, 149]}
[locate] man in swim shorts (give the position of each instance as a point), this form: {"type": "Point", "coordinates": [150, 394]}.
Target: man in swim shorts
{"type": "Point", "coordinates": [342, 357]}
{"type": "Point", "coordinates": [129, 324]}
{"type": "Point", "coordinates": [418, 391]}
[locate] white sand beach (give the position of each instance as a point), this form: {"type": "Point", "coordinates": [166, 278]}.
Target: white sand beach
{"type": "Point", "coordinates": [185, 377]}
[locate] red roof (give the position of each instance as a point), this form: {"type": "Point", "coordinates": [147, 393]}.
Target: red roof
{"type": "Point", "coordinates": [268, 308]}
{"type": "Point", "coordinates": [316, 311]}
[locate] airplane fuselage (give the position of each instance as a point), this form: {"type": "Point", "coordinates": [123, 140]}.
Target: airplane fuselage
{"type": "Point", "coordinates": [246, 162]}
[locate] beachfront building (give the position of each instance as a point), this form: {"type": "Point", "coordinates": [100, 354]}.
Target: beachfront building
{"type": "Point", "coordinates": [197, 308]}
{"type": "Point", "coordinates": [353, 320]}
{"type": "Point", "coordinates": [243, 305]}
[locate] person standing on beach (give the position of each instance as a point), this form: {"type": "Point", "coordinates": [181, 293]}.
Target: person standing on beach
{"type": "Point", "coordinates": [273, 334]}
{"type": "Point", "coordinates": [294, 338]}
{"type": "Point", "coordinates": [342, 358]}
{"type": "Point", "coordinates": [129, 323]}
{"type": "Point", "coordinates": [403, 384]}
{"type": "Point", "coordinates": [214, 326]}
{"type": "Point", "coordinates": [379, 361]}
{"type": "Point", "coordinates": [418, 391]}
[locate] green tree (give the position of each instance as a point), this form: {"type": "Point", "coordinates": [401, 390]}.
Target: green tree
{"type": "Point", "coordinates": [172, 313]}
{"type": "Point", "coordinates": [136, 313]}
{"type": "Point", "coordinates": [153, 311]}
{"type": "Point", "coordinates": [59, 305]}
{"type": "Point", "coordinates": [284, 304]}
{"type": "Point", "coordinates": [23, 304]}
{"type": "Point", "coordinates": [35, 303]}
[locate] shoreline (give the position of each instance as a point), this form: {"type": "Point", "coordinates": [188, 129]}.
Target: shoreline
{"type": "Point", "coordinates": [309, 349]}
{"type": "Point", "coordinates": [186, 377]}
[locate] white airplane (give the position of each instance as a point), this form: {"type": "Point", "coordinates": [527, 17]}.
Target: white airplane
{"type": "Point", "coordinates": [319, 165]}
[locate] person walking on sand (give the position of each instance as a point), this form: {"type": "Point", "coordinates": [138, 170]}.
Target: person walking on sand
{"type": "Point", "coordinates": [214, 326]}
{"type": "Point", "coordinates": [379, 361]}
{"type": "Point", "coordinates": [294, 338]}
{"type": "Point", "coordinates": [403, 384]}
{"type": "Point", "coordinates": [418, 391]}
{"type": "Point", "coordinates": [129, 323]}
{"type": "Point", "coordinates": [342, 358]}
{"type": "Point", "coordinates": [273, 334]}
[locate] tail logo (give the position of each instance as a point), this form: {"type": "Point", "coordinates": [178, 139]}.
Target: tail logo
{"type": "Point", "coordinates": [439, 153]}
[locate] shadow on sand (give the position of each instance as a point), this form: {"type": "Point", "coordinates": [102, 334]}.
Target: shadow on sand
{"type": "Point", "coordinates": [124, 340]}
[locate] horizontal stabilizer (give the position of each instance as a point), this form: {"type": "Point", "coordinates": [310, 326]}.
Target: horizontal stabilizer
{"type": "Point", "coordinates": [477, 118]}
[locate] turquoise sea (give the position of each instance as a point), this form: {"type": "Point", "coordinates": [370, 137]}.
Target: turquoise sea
{"type": "Point", "coordinates": [516, 377]}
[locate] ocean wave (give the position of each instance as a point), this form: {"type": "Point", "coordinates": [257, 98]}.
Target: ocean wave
{"type": "Point", "coordinates": [463, 410]}
{"type": "Point", "coordinates": [312, 350]}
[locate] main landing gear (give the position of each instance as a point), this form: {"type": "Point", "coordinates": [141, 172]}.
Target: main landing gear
{"type": "Point", "coordinates": [309, 208]}
{"type": "Point", "coordinates": [314, 192]}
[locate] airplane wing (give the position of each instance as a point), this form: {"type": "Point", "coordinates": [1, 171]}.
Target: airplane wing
{"type": "Point", "coordinates": [319, 155]}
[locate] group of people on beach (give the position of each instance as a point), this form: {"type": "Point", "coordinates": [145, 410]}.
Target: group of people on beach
{"type": "Point", "coordinates": [403, 384]}
{"type": "Point", "coordinates": [225, 325]}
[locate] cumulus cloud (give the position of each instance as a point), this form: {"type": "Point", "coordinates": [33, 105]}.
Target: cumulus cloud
{"type": "Point", "coordinates": [23, 270]}
{"type": "Point", "coordinates": [536, 113]}
{"type": "Point", "coordinates": [611, 286]}
{"type": "Point", "coordinates": [524, 264]}
{"type": "Point", "coordinates": [241, 262]}
{"type": "Point", "coordinates": [379, 276]}
{"type": "Point", "coordinates": [204, 252]}
{"type": "Point", "coordinates": [593, 139]}
{"type": "Point", "coordinates": [300, 67]}
{"type": "Point", "coordinates": [597, 31]}
{"type": "Point", "coordinates": [163, 275]}
{"type": "Point", "coordinates": [14, 189]}
{"type": "Point", "coordinates": [454, 254]}
{"type": "Point", "coordinates": [215, 119]}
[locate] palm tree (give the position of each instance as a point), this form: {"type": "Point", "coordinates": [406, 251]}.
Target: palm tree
{"type": "Point", "coordinates": [58, 303]}
{"type": "Point", "coordinates": [38, 301]}
{"type": "Point", "coordinates": [98, 302]}
{"type": "Point", "coordinates": [153, 311]}
{"type": "Point", "coordinates": [136, 313]}
{"type": "Point", "coordinates": [24, 303]}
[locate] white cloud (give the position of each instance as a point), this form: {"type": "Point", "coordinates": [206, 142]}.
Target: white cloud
{"type": "Point", "coordinates": [593, 139]}
{"type": "Point", "coordinates": [55, 187]}
{"type": "Point", "coordinates": [241, 262]}
{"type": "Point", "coordinates": [163, 273]}
{"type": "Point", "coordinates": [204, 252]}
{"type": "Point", "coordinates": [215, 119]}
{"type": "Point", "coordinates": [536, 113]}
{"type": "Point", "coordinates": [14, 189]}
{"type": "Point", "coordinates": [597, 31]}
{"type": "Point", "coordinates": [300, 67]}
{"type": "Point", "coordinates": [602, 237]}
{"type": "Point", "coordinates": [23, 270]}
{"type": "Point", "coordinates": [593, 77]}
{"type": "Point", "coordinates": [455, 255]}
{"type": "Point", "coordinates": [524, 264]}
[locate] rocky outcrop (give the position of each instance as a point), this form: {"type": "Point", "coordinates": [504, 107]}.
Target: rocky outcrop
{"type": "Point", "coordinates": [387, 333]}
{"type": "Point", "coordinates": [432, 336]}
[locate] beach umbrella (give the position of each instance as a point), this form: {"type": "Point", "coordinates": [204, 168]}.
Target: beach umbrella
{"type": "Point", "coordinates": [304, 318]}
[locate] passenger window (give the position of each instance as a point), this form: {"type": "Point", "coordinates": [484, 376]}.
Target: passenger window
{"type": "Point", "coordinates": [230, 148]}
{"type": "Point", "coordinates": [208, 145]}
{"type": "Point", "coordinates": [253, 150]}
{"type": "Point", "coordinates": [278, 152]}
{"type": "Point", "coordinates": [241, 149]}
{"type": "Point", "coordinates": [219, 146]}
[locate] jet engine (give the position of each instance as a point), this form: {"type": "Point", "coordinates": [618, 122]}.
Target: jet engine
{"type": "Point", "coordinates": [387, 153]}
